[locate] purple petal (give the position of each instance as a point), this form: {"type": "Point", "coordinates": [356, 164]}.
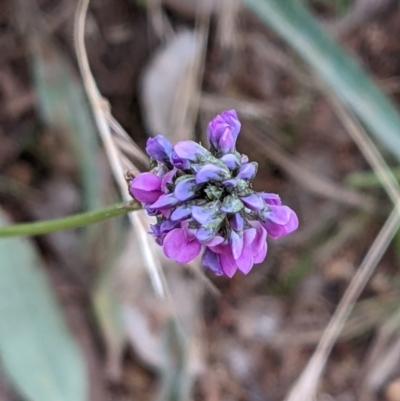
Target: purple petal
{"type": "Point", "coordinates": [248, 236]}
{"type": "Point", "coordinates": [191, 250]}
{"type": "Point", "coordinates": [165, 201]}
{"type": "Point", "coordinates": [189, 232]}
{"type": "Point", "coordinates": [278, 214]}
{"type": "Point", "coordinates": [167, 225]}
{"type": "Point", "coordinates": [223, 131]}
{"type": "Point", "coordinates": [259, 244]}
{"type": "Point", "coordinates": [181, 212]}
{"type": "Point", "coordinates": [146, 181]}
{"type": "Point", "coordinates": [150, 211]}
{"type": "Point", "coordinates": [253, 202]}
{"type": "Point", "coordinates": [280, 221]}
{"type": "Point", "coordinates": [236, 243]}
{"type": "Point", "coordinates": [223, 247]}
{"type": "Point", "coordinates": [293, 223]}
{"type": "Point", "coordinates": [248, 171]}
{"type": "Point", "coordinates": [167, 180]}
{"type": "Point", "coordinates": [166, 213]}
{"type": "Point", "coordinates": [232, 183]}
{"type": "Point", "coordinates": [178, 247]}
{"type": "Point", "coordinates": [231, 161]}
{"type": "Point", "coordinates": [217, 240]}
{"type": "Point", "coordinates": [236, 222]}
{"type": "Point", "coordinates": [174, 242]}
{"type": "Point", "coordinates": [228, 264]}
{"type": "Point", "coordinates": [211, 172]}
{"type": "Point", "coordinates": [204, 214]}
{"type": "Point", "coordinates": [146, 188]}
{"type": "Point", "coordinates": [204, 234]}
{"type": "Point", "coordinates": [211, 261]}
{"type": "Point", "coordinates": [185, 189]}
{"type": "Point", "coordinates": [189, 150]}
{"type": "Point", "coordinates": [270, 199]}
{"type": "Point", "coordinates": [260, 238]}
{"type": "Point", "coordinates": [179, 162]}
{"type": "Point", "coordinates": [156, 232]}
{"type": "Point", "coordinates": [232, 117]}
{"type": "Point", "coordinates": [161, 229]}
{"type": "Point", "coordinates": [159, 148]}
{"type": "Point", "coordinates": [155, 229]}
{"type": "Point", "coordinates": [227, 142]}
{"type": "Point", "coordinates": [245, 262]}
{"type": "Point", "coordinates": [260, 256]}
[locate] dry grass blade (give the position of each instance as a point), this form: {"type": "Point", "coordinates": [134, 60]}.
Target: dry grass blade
{"type": "Point", "coordinates": [307, 178]}
{"type": "Point", "coordinates": [305, 388]}
{"type": "Point", "coordinates": [170, 88]}
{"type": "Point", "coordinates": [306, 385]}
{"type": "Point", "coordinates": [361, 13]}
{"type": "Point", "coordinates": [382, 358]}
{"type": "Point", "coordinates": [100, 110]}
{"type": "Point", "coordinates": [124, 141]}
{"type": "Point", "coordinates": [369, 150]}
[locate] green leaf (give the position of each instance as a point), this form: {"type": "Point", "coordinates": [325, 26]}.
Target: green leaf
{"type": "Point", "coordinates": [37, 351]}
{"type": "Point", "coordinates": [291, 20]}
{"type": "Point", "coordinates": [396, 243]}
{"type": "Point", "coordinates": [368, 179]}
{"type": "Point", "coordinates": [107, 308]}
{"type": "Point", "coordinates": [63, 105]}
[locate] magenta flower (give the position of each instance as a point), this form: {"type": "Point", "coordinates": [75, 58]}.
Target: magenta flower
{"type": "Point", "coordinates": [204, 201]}
{"type": "Point", "coordinates": [146, 188]}
{"type": "Point", "coordinates": [279, 221]}
{"type": "Point", "coordinates": [180, 246]}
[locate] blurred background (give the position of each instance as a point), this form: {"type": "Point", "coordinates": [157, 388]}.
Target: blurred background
{"type": "Point", "coordinates": [97, 313]}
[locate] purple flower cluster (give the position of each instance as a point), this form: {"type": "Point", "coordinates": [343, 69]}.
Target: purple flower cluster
{"type": "Point", "coordinates": [204, 201]}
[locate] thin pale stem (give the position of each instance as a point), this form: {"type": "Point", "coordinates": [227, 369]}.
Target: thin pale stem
{"type": "Point", "coordinates": [67, 223]}
{"type": "Point", "coordinates": [100, 111]}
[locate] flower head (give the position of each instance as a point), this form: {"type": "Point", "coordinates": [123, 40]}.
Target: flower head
{"type": "Point", "coordinates": [204, 201]}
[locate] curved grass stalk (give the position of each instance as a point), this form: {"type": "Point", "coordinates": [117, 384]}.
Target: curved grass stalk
{"type": "Point", "coordinates": [101, 110]}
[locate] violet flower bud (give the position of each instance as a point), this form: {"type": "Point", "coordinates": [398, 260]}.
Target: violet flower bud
{"type": "Point", "coordinates": [146, 188]}
{"type": "Point", "coordinates": [223, 131]}
{"type": "Point", "coordinates": [159, 148]}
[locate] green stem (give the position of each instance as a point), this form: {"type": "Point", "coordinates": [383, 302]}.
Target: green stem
{"type": "Point", "coordinates": [67, 223]}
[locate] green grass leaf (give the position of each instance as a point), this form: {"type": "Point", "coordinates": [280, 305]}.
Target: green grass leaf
{"type": "Point", "coordinates": [63, 105]}
{"type": "Point", "coordinates": [291, 20]}
{"type": "Point", "coordinates": [37, 351]}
